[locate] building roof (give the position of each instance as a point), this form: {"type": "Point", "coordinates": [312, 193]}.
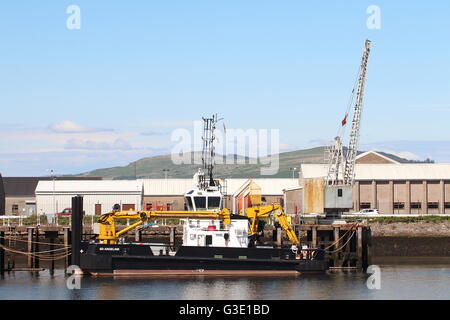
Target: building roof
{"type": "Point", "coordinates": [93, 186]}
{"type": "Point", "coordinates": [25, 186]}
{"type": "Point", "coordinates": [375, 157]}
{"type": "Point", "coordinates": [177, 187]}
{"type": "Point", "coordinates": [413, 171]}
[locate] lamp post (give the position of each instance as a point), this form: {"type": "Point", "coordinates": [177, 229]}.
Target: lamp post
{"type": "Point", "coordinates": [293, 172]}
{"type": "Point", "coordinates": [165, 173]}
{"type": "Point", "coordinates": [54, 202]}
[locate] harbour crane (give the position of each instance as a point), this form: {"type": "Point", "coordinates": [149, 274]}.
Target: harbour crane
{"type": "Point", "coordinates": [341, 169]}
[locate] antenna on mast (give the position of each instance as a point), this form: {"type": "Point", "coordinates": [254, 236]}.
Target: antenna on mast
{"type": "Point", "coordinates": [206, 173]}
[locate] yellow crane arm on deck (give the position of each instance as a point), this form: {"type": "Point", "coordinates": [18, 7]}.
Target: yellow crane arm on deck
{"type": "Point", "coordinates": [266, 211]}
{"type": "Point", "coordinates": [108, 233]}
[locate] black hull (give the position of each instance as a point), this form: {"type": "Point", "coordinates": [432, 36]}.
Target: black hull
{"type": "Point", "coordinates": [134, 259]}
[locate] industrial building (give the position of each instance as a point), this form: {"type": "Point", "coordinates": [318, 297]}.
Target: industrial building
{"type": "Point", "coordinates": [391, 187]}
{"type": "Point", "coordinates": [99, 196]}
{"type": "Point", "coordinates": [20, 198]}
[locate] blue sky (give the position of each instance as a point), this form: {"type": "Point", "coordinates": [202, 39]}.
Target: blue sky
{"type": "Point", "coordinates": [114, 90]}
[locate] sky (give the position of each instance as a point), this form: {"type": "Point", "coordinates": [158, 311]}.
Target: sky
{"type": "Point", "coordinates": [116, 89]}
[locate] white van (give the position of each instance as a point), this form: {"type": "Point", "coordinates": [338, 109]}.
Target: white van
{"type": "Point", "coordinates": [367, 211]}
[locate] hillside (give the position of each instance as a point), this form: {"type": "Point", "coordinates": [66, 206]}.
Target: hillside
{"type": "Point", "coordinates": [152, 167]}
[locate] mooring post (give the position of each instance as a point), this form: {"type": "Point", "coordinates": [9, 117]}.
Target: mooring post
{"type": "Point", "coordinates": [336, 247]}
{"type": "Point", "coordinates": [172, 236]}
{"type": "Point", "coordinates": [314, 236]}
{"type": "Point", "coordinates": [66, 244]}
{"type": "Point", "coordinates": [51, 235]}
{"type": "Point", "coordinates": [77, 228]}
{"type": "Point", "coordinates": [2, 252]}
{"type": "Point", "coordinates": [138, 235]}
{"type": "Point", "coordinates": [36, 248]}
{"type": "Point", "coordinates": [30, 261]}
{"type": "Point", "coordinates": [279, 239]}
{"type": "Point", "coordinates": [359, 247]}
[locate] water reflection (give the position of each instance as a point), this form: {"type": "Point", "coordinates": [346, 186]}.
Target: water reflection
{"type": "Point", "coordinates": [400, 281]}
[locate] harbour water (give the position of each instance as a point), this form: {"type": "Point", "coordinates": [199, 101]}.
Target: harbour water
{"type": "Point", "coordinates": [413, 278]}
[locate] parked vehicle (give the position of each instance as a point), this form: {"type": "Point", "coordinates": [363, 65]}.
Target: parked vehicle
{"type": "Point", "coordinates": [65, 212]}
{"type": "Point", "coordinates": [367, 211]}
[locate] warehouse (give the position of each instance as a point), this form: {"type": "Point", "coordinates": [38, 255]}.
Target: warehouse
{"type": "Point", "coordinates": [98, 196]}
{"type": "Point", "coordinates": [395, 187]}
{"type": "Point", "coordinates": [20, 196]}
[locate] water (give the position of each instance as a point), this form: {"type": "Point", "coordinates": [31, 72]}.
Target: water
{"type": "Point", "coordinates": [400, 279]}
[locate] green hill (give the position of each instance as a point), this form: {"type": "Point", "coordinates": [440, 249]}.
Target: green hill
{"type": "Point", "coordinates": [152, 167]}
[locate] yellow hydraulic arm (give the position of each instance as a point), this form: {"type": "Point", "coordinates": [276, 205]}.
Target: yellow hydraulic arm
{"type": "Point", "coordinates": [276, 210]}
{"type": "Point", "coordinates": [109, 235]}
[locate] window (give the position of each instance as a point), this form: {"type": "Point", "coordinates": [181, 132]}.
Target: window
{"type": "Point", "coordinates": [339, 192]}
{"type": "Point", "coordinates": [15, 208]}
{"type": "Point", "coordinates": [200, 202]}
{"type": "Point", "coordinates": [208, 240]}
{"type": "Point", "coordinates": [416, 205]}
{"type": "Point", "coordinates": [433, 205]}
{"type": "Point", "coordinates": [365, 205]}
{"type": "Point", "coordinates": [447, 205]}
{"type": "Point", "coordinates": [399, 205]}
{"type": "Point", "coordinates": [213, 202]}
{"type": "Point", "coordinates": [189, 203]}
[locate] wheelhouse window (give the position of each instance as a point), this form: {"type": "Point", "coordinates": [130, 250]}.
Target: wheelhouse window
{"type": "Point", "coordinates": [213, 202]}
{"type": "Point", "coordinates": [189, 203]}
{"type": "Point", "coordinates": [200, 202]}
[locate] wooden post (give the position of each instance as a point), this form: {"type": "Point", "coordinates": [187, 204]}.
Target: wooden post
{"type": "Point", "coordinates": [36, 248]}
{"type": "Point", "coordinates": [172, 237]}
{"type": "Point", "coordinates": [2, 252]}
{"type": "Point", "coordinates": [279, 239]}
{"type": "Point", "coordinates": [30, 231]}
{"type": "Point", "coordinates": [314, 236]}
{"type": "Point", "coordinates": [336, 247]}
{"type": "Point", "coordinates": [52, 247]}
{"type": "Point", "coordinates": [66, 243]}
{"type": "Point", "coordinates": [359, 247]}
{"type": "Point", "coordinates": [138, 235]}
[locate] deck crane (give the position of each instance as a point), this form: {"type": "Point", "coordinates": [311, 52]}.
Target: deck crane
{"type": "Point", "coordinates": [341, 169]}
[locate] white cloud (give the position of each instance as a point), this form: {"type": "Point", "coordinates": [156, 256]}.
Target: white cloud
{"type": "Point", "coordinates": [67, 126]}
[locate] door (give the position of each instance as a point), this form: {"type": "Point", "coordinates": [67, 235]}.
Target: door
{"type": "Point", "coordinates": [98, 209]}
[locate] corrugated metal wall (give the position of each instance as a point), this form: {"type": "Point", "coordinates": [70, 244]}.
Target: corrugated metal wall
{"type": "Point", "coordinates": [45, 204]}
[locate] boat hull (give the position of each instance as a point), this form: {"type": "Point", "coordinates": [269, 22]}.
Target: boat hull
{"type": "Point", "coordinates": [139, 260]}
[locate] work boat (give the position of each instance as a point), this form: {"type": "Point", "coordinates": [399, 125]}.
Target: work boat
{"type": "Point", "coordinates": [214, 242]}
